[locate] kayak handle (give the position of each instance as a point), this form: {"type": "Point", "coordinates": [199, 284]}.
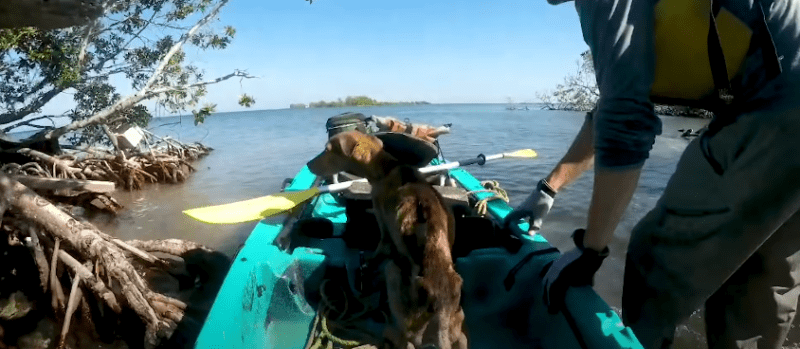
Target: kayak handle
{"type": "Point", "coordinates": [480, 160]}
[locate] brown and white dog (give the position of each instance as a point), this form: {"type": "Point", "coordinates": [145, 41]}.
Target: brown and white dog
{"type": "Point", "coordinates": [417, 232]}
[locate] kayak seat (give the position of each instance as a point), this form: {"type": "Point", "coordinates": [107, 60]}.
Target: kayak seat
{"type": "Point", "coordinates": [474, 233]}
{"type": "Point", "coordinates": [453, 196]}
{"type": "Point", "coordinates": [306, 231]}
{"type": "Point", "coordinates": [361, 219]}
{"type": "Point", "coordinates": [361, 231]}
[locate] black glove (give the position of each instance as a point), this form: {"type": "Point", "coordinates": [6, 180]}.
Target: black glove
{"type": "Point", "coordinates": [576, 267]}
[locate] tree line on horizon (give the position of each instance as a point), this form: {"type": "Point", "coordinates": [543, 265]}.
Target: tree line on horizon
{"type": "Point", "coordinates": [351, 101]}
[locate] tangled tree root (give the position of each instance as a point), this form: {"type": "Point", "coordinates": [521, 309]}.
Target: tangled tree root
{"type": "Point", "coordinates": [101, 265]}
{"type": "Point", "coordinates": [165, 161]}
{"type": "Point", "coordinates": [81, 268]}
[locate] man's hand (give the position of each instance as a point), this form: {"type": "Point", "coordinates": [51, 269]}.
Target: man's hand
{"type": "Point", "coordinates": [536, 206]}
{"type": "Point", "coordinates": [576, 267]}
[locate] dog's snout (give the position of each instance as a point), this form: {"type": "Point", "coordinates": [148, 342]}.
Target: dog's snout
{"type": "Point", "coordinates": [317, 165]}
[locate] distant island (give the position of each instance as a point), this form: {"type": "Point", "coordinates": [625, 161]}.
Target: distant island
{"type": "Point", "coordinates": [351, 101]}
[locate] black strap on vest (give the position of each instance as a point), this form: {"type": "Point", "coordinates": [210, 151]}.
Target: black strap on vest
{"type": "Point", "coordinates": [764, 40]}
{"type": "Point", "coordinates": [719, 69]}
{"type": "Point", "coordinates": [723, 114]}
{"type": "Point", "coordinates": [761, 39]}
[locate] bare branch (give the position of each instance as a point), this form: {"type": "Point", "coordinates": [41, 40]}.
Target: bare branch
{"type": "Point", "coordinates": [86, 40]}
{"type": "Point", "coordinates": [145, 91]}
{"type": "Point", "coordinates": [108, 73]}
{"type": "Point", "coordinates": [177, 47]}
{"type": "Point", "coordinates": [47, 96]}
{"type": "Point", "coordinates": [100, 64]}
{"type": "Point", "coordinates": [237, 73]}
{"type": "Point", "coordinates": [41, 85]}
{"type": "Point", "coordinates": [32, 107]}
{"type": "Point", "coordinates": [27, 124]}
{"type": "Point", "coordinates": [127, 103]}
{"type": "Point", "coordinates": [165, 25]}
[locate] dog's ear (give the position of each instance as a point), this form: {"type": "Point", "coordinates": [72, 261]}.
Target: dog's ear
{"type": "Point", "coordinates": [358, 146]}
{"type": "Point", "coordinates": [353, 152]}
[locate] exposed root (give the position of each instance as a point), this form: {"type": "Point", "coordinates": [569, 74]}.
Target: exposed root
{"type": "Point", "coordinates": [89, 279]}
{"type": "Point", "coordinates": [58, 299]}
{"type": "Point", "coordinates": [169, 246]}
{"type": "Point", "coordinates": [41, 260]}
{"type": "Point", "coordinates": [103, 273]}
{"type": "Point", "coordinates": [74, 297]}
{"type": "Point", "coordinates": [102, 266]}
{"type": "Point", "coordinates": [165, 161]}
{"type": "Point", "coordinates": [137, 252]}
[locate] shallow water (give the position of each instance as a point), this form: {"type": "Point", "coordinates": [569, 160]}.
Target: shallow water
{"type": "Point", "coordinates": [255, 151]}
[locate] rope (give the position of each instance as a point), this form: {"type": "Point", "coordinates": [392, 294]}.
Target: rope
{"type": "Point", "coordinates": [321, 336]}
{"type": "Point", "coordinates": [326, 339]}
{"type": "Point", "coordinates": [498, 193]}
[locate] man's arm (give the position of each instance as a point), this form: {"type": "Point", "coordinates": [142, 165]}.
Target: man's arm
{"type": "Point", "coordinates": [578, 159]}
{"type": "Point", "coordinates": [612, 193]}
{"type": "Point", "coordinates": [620, 35]}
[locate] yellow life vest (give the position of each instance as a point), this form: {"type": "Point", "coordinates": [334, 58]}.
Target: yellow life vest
{"type": "Point", "coordinates": [682, 70]}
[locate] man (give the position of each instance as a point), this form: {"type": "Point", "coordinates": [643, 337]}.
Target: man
{"type": "Point", "coordinates": [726, 231]}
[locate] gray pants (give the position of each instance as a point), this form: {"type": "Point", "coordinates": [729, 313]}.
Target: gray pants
{"type": "Point", "coordinates": [730, 240]}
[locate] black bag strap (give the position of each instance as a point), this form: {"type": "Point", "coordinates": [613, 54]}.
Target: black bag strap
{"type": "Point", "coordinates": [719, 69]}
{"type": "Point", "coordinates": [761, 39]}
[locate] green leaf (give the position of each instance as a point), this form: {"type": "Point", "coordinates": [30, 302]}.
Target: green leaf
{"type": "Point", "coordinates": [246, 101]}
{"type": "Point", "coordinates": [230, 31]}
{"type": "Point", "coordinates": [200, 115]}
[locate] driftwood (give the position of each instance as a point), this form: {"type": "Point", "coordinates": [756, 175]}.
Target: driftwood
{"type": "Point", "coordinates": [41, 260]}
{"type": "Point", "coordinates": [66, 187]}
{"type": "Point", "coordinates": [75, 295]}
{"type": "Point", "coordinates": [103, 275]}
{"type": "Point", "coordinates": [158, 312]}
{"type": "Point", "coordinates": [89, 279]}
{"type": "Point", "coordinates": [58, 299]}
{"type": "Point", "coordinates": [67, 170]}
{"type": "Point", "coordinates": [169, 246]}
{"type": "Point", "coordinates": [164, 160]}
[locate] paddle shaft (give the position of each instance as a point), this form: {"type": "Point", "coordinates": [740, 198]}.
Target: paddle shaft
{"type": "Point", "coordinates": [480, 160]}
{"type": "Point", "coordinates": [266, 206]}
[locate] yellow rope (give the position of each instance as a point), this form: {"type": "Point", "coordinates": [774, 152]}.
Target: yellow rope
{"type": "Point", "coordinates": [321, 335]}
{"type": "Point", "coordinates": [334, 339]}
{"type": "Point", "coordinates": [323, 338]}
{"type": "Point", "coordinates": [498, 193]}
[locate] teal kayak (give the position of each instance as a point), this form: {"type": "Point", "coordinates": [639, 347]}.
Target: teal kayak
{"type": "Point", "coordinates": [274, 291]}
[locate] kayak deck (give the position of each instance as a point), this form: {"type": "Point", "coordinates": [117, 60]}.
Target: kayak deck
{"type": "Point", "coordinates": [270, 297]}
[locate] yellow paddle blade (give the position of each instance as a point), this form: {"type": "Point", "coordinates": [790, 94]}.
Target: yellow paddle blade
{"type": "Point", "coordinates": [523, 153]}
{"type": "Point", "coordinates": [253, 209]}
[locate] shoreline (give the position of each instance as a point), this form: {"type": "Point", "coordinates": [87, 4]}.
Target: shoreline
{"type": "Point", "coordinates": [660, 110]}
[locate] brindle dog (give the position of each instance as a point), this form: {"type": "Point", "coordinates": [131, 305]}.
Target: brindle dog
{"type": "Point", "coordinates": [417, 233]}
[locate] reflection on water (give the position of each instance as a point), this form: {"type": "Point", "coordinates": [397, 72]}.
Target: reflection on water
{"type": "Point", "coordinates": [255, 151]}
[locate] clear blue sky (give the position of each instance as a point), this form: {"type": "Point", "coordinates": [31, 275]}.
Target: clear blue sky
{"type": "Point", "coordinates": [411, 50]}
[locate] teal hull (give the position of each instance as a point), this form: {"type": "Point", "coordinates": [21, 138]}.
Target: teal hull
{"type": "Point", "coordinates": [261, 302]}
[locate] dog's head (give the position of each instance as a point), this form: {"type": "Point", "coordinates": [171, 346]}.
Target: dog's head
{"type": "Point", "coordinates": [353, 152]}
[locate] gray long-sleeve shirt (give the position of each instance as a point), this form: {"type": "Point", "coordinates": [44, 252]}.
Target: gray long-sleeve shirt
{"type": "Point", "coordinates": [621, 38]}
